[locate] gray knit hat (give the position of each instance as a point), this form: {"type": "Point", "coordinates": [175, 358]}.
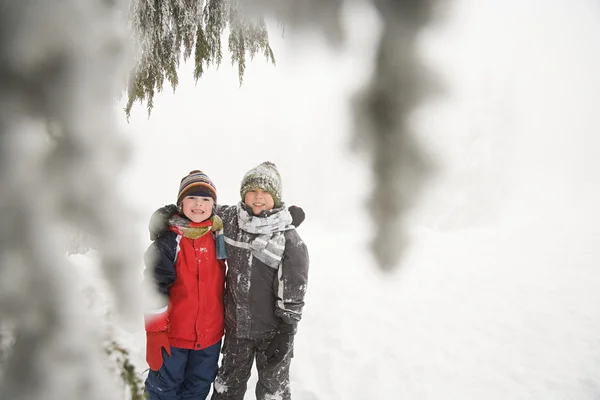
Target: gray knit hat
{"type": "Point", "coordinates": [266, 177]}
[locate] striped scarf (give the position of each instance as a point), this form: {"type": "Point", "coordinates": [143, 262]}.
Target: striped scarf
{"type": "Point", "coordinates": [268, 246]}
{"type": "Point", "coordinates": [183, 227]}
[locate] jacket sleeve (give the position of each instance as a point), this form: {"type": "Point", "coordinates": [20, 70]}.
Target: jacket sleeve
{"type": "Point", "coordinates": [222, 210]}
{"type": "Point", "coordinates": [160, 275]}
{"type": "Point", "coordinates": [292, 279]}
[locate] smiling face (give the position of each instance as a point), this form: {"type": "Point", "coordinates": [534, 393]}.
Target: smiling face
{"type": "Point", "coordinates": [197, 208]}
{"type": "Point", "coordinates": [259, 200]}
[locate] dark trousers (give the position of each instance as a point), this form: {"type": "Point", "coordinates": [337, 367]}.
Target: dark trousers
{"type": "Point", "coordinates": [236, 366]}
{"type": "Point", "coordinates": [186, 374]}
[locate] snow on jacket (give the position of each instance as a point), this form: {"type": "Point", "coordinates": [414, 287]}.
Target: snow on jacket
{"type": "Point", "coordinates": [189, 274]}
{"type": "Point", "coordinates": [258, 297]}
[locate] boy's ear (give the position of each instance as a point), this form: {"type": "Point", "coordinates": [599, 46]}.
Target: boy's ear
{"type": "Point", "coordinates": [297, 215]}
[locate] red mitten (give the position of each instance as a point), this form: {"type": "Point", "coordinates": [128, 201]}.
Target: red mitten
{"type": "Point", "coordinates": [157, 338]}
{"type": "Point", "coordinates": [155, 342]}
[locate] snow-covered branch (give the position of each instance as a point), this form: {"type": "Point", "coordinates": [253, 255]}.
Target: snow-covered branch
{"type": "Point", "coordinates": [62, 64]}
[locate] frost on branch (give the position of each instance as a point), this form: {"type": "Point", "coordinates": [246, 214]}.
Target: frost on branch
{"type": "Point", "coordinates": [60, 66]}
{"type": "Point", "coordinates": [167, 30]}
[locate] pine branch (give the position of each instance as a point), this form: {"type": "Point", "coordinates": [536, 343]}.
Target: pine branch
{"type": "Point", "coordinates": [168, 30]}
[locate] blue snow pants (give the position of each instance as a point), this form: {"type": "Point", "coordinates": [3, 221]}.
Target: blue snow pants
{"type": "Point", "coordinates": [186, 374]}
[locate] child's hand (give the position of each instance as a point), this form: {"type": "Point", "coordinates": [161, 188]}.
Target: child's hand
{"type": "Point", "coordinates": [279, 347]}
{"type": "Point", "coordinates": [281, 344]}
{"type": "Point", "coordinates": [159, 221]}
{"type": "Point", "coordinates": [155, 343]}
{"type": "Point", "coordinates": [297, 215]}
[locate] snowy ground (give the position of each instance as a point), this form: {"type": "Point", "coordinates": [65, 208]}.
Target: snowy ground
{"type": "Point", "coordinates": [495, 314]}
{"type": "Point", "coordinates": [497, 297]}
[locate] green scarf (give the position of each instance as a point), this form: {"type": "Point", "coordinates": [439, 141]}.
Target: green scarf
{"type": "Point", "coordinates": [182, 226]}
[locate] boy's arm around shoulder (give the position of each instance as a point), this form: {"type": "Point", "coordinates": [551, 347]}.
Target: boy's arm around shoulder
{"type": "Point", "coordinates": [159, 221]}
{"type": "Point", "coordinates": [227, 212]}
{"type": "Point", "coordinates": [292, 280]}
{"type": "Point", "coordinates": [223, 210]}
{"type": "Point", "coordinates": [160, 275]}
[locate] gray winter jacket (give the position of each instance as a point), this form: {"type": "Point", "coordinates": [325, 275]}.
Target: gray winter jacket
{"type": "Point", "coordinates": [258, 297]}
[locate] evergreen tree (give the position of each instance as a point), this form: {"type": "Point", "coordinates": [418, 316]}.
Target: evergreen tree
{"type": "Point", "coordinates": [167, 30]}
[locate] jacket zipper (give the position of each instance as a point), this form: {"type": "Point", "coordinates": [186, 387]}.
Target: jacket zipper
{"type": "Point", "coordinates": [198, 334]}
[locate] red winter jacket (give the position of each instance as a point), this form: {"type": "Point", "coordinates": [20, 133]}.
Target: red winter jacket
{"type": "Point", "coordinates": [188, 272]}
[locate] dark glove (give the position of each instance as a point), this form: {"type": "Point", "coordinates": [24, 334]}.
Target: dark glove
{"type": "Point", "coordinates": [281, 344]}
{"type": "Point", "coordinates": [159, 221]}
{"type": "Point", "coordinates": [297, 215]}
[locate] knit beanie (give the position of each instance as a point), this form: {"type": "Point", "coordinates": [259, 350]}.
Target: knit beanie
{"type": "Point", "coordinates": [266, 177]}
{"type": "Point", "coordinates": [196, 183]}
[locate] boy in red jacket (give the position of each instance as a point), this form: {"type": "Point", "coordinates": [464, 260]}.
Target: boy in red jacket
{"type": "Point", "coordinates": [187, 268]}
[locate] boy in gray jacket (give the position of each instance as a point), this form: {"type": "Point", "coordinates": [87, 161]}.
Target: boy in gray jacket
{"type": "Point", "coordinates": [266, 283]}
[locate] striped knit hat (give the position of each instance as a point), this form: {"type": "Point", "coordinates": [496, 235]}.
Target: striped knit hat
{"type": "Point", "coordinates": [196, 183]}
{"type": "Point", "coordinates": [266, 177]}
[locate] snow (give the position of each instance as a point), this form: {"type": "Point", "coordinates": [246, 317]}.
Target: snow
{"type": "Point", "coordinates": [480, 313]}
{"type": "Point", "coordinates": [497, 294]}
